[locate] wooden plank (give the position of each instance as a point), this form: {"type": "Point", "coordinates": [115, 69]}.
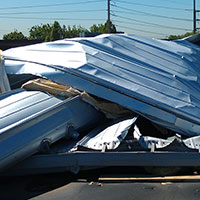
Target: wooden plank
{"type": "Point", "coordinates": [164, 178]}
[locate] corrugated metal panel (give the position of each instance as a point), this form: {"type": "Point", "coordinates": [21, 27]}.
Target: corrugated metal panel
{"type": "Point", "coordinates": [28, 119]}
{"type": "Point", "coordinates": [4, 83]}
{"type": "Point", "coordinates": [154, 78]}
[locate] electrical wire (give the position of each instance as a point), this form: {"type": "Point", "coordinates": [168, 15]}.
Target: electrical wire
{"type": "Point", "coordinates": [150, 5]}
{"type": "Point", "coordinates": [51, 5]}
{"type": "Point", "coordinates": [176, 2]}
{"type": "Point", "coordinates": [151, 14]}
{"type": "Point", "coordinates": [114, 21]}
{"type": "Point", "coordinates": [48, 12]}
{"type": "Point", "coordinates": [140, 30]}
{"type": "Point", "coordinates": [53, 18]}
{"type": "Point", "coordinates": [148, 23]}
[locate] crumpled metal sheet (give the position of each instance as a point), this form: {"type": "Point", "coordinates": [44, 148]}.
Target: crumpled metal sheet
{"type": "Point", "coordinates": [109, 138]}
{"type": "Point", "coordinates": [192, 142]}
{"type": "Point", "coordinates": [4, 83]}
{"type": "Point", "coordinates": [148, 142]}
{"type": "Point", "coordinates": [153, 143]}
{"type": "Point", "coordinates": [156, 79]}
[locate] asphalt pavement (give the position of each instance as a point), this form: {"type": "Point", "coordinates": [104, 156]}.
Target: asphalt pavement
{"type": "Point", "coordinates": [86, 185]}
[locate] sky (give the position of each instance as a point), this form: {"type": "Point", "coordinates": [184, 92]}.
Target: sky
{"type": "Point", "coordinates": [151, 18]}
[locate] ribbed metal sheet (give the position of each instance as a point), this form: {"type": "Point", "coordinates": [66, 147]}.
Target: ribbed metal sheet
{"type": "Point", "coordinates": [156, 79]}
{"type": "Point", "coordinates": [29, 118]}
{"type": "Point", "coordinates": [110, 137]}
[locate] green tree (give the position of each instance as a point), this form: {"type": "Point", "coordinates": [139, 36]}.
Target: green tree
{"type": "Point", "coordinates": [15, 35]}
{"type": "Point", "coordinates": [103, 28]}
{"type": "Point", "coordinates": [40, 32]}
{"type": "Point", "coordinates": [56, 32]}
{"type": "Point", "coordinates": [53, 32]}
{"type": "Point", "coordinates": [48, 32]}
{"type": "Point", "coordinates": [176, 37]}
{"type": "Point", "coordinates": [74, 31]}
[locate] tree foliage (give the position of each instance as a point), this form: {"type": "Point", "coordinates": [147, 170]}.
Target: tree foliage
{"type": "Point", "coordinates": [51, 32]}
{"type": "Point", "coordinates": [103, 28]}
{"type": "Point", "coordinates": [74, 31]}
{"type": "Point", "coordinates": [39, 32]}
{"type": "Point", "coordinates": [15, 35]}
{"type": "Point", "coordinates": [176, 37]}
{"type": "Point", "coordinates": [56, 32]}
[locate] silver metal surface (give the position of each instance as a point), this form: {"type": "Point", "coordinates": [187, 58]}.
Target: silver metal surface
{"type": "Point", "coordinates": [31, 120]}
{"type": "Point", "coordinates": [4, 83]}
{"type": "Point", "coordinates": [156, 79]}
{"type": "Point", "coordinates": [110, 137]}
{"type": "Point", "coordinates": [148, 142]}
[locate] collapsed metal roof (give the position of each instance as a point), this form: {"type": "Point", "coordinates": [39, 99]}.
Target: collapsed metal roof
{"type": "Point", "coordinates": [156, 79]}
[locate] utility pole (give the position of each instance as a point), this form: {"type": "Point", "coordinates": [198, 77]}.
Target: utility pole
{"type": "Point", "coordinates": [194, 17]}
{"type": "Point", "coordinates": [108, 16]}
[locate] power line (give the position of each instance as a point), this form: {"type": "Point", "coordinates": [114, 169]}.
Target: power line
{"type": "Point", "coordinates": [53, 18]}
{"type": "Point", "coordinates": [140, 30]}
{"type": "Point", "coordinates": [127, 12]}
{"type": "Point", "coordinates": [133, 23]}
{"type": "Point", "coordinates": [151, 14]}
{"type": "Point", "coordinates": [48, 12]}
{"type": "Point", "coordinates": [175, 2]}
{"type": "Point", "coordinates": [150, 5]}
{"type": "Point", "coordinates": [148, 23]}
{"type": "Point", "coordinates": [52, 5]}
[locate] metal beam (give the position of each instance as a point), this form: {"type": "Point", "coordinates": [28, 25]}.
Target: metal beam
{"type": "Point", "coordinates": [75, 161]}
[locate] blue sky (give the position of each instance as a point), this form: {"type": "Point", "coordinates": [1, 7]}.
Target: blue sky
{"type": "Point", "coordinates": [152, 18]}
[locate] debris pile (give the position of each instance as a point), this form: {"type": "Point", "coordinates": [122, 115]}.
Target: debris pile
{"type": "Point", "coordinates": [111, 93]}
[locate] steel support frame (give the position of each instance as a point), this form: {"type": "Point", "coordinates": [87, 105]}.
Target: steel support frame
{"type": "Point", "coordinates": [75, 161]}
